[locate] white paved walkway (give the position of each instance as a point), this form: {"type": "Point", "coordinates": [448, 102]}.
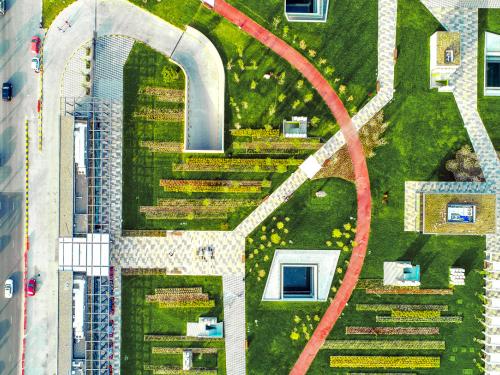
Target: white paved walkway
{"type": "Point", "coordinates": [465, 21]}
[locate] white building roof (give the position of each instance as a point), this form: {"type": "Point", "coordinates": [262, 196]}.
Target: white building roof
{"type": "Point", "coordinates": [325, 262]}
{"type": "Point", "coordinates": [79, 307]}
{"type": "Point", "coordinates": [80, 150]}
{"type": "Point", "coordinates": [88, 254]}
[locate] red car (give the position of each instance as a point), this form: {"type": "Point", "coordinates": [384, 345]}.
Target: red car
{"type": "Point", "coordinates": [31, 288]}
{"type": "Point", "coordinates": [35, 45]}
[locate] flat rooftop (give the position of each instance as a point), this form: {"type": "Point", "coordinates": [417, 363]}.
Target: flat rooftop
{"type": "Point", "coordinates": [436, 218]}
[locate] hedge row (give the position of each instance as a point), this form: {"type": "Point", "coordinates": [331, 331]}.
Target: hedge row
{"type": "Point", "coordinates": [187, 304]}
{"type": "Point", "coordinates": [170, 338]}
{"type": "Point", "coordinates": [392, 330]}
{"type": "Point", "coordinates": [214, 186]}
{"type": "Point", "coordinates": [173, 370]}
{"type": "Point", "coordinates": [164, 350]}
{"type": "Point", "coordinates": [255, 133]}
{"type": "Point", "coordinates": [391, 307]}
{"type": "Point", "coordinates": [384, 345]}
{"type": "Point", "coordinates": [163, 147]}
{"type": "Point", "coordinates": [384, 362]}
{"type": "Point", "coordinates": [235, 165]}
{"type": "Point", "coordinates": [409, 290]}
{"type": "Point", "coordinates": [439, 319]}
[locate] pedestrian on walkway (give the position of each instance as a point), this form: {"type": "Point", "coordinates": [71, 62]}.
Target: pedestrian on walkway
{"type": "Point", "coordinates": [67, 23]}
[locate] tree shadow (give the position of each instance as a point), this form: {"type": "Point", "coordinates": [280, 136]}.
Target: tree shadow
{"type": "Point", "coordinates": [4, 241]}
{"type": "Point", "coordinates": [18, 80]}
{"type": "Point", "coordinates": [4, 327]}
{"type": "Point", "coordinates": [17, 278]}
{"type": "Point", "coordinates": [414, 248]}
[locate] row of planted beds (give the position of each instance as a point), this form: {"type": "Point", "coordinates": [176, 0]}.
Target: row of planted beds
{"type": "Point", "coordinates": [396, 314]}
{"type": "Point", "coordinates": [235, 194]}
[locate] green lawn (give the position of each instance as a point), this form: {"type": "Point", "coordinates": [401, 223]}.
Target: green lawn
{"type": "Point", "coordinates": [425, 130]}
{"type": "Point", "coordinates": [51, 8]}
{"type": "Point", "coordinates": [251, 102]}
{"type": "Point", "coordinates": [140, 318]}
{"type": "Point", "coordinates": [489, 20]}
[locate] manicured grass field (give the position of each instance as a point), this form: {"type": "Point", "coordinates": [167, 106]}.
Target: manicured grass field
{"type": "Point", "coordinates": [425, 130]}
{"type": "Point", "coordinates": [489, 20]}
{"type": "Point", "coordinates": [51, 8]}
{"type": "Point", "coordinates": [140, 318]}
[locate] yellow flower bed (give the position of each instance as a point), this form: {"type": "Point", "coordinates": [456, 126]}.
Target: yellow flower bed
{"type": "Point", "coordinates": [384, 362]}
{"type": "Point", "coordinates": [415, 314]}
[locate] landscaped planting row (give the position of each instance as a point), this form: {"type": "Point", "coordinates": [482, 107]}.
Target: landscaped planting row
{"type": "Point", "coordinates": [214, 186]}
{"type": "Point", "coordinates": [384, 362]}
{"type": "Point", "coordinates": [171, 338]}
{"type": "Point", "coordinates": [187, 304]}
{"type": "Point", "coordinates": [416, 314]}
{"type": "Point", "coordinates": [164, 350]}
{"type": "Point", "coordinates": [392, 330]}
{"type": "Point", "coordinates": [172, 370]}
{"type": "Point", "coordinates": [164, 94]}
{"type": "Point", "coordinates": [225, 204]}
{"type": "Point", "coordinates": [181, 291]}
{"type": "Point", "coordinates": [439, 319]}
{"type": "Point", "coordinates": [255, 133]}
{"type": "Point", "coordinates": [236, 165]}
{"type": "Point", "coordinates": [409, 290]}
{"type": "Point", "coordinates": [384, 345]}
{"type": "Point", "coordinates": [191, 297]}
{"type": "Point", "coordinates": [162, 147]}
{"type": "Point", "coordinates": [164, 213]}
{"type": "Point", "coordinates": [157, 114]}
{"type": "Point", "coordinates": [278, 146]}
{"type": "Point", "coordinates": [391, 307]}
{"type": "Point", "coordinates": [143, 271]}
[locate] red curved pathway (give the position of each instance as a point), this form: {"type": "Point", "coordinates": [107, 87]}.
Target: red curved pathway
{"type": "Point", "coordinates": [338, 110]}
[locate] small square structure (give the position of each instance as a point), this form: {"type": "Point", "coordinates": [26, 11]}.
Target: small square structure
{"type": "Point", "coordinates": [469, 214]}
{"type": "Point", "coordinates": [445, 59]}
{"type": "Point", "coordinates": [492, 64]}
{"type": "Point", "coordinates": [306, 10]}
{"type": "Point", "coordinates": [205, 327]}
{"type": "Point", "coordinates": [301, 275]}
{"type": "Point", "coordinates": [401, 273]}
{"type": "Point", "coordinates": [296, 128]}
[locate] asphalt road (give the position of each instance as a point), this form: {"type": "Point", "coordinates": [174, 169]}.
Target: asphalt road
{"type": "Point", "coordinates": [17, 26]}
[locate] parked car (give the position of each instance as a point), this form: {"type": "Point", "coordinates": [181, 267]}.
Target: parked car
{"type": "Point", "coordinates": [31, 288]}
{"type": "Point", "coordinates": [35, 45]}
{"type": "Point", "coordinates": [35, 64]}
{"type": "Point", "coordinates": [9, 288]}
{"type": "Point", "coordinates": [2, 7]}
{"type": "Point", "coordinates": [7, 91]}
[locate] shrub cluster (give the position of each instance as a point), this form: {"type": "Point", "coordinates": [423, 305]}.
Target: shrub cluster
{"type": "Point", "coordinates": [352, 361]}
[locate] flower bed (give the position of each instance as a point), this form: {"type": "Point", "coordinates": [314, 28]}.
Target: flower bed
{"type": "Point", "coordinates": [143, 271]}
{"type": "Point", "coordinates": [191, 297]}
{"type": "Point", "coordinates": [163, 350]}
{"type": "Point", "coordinates": [391, 307]}
{"type": "Point", "coordinates": [172, 370]}
{"type": "Point", "coordinates": [187, 304]}
{"type": "Point", "coordinates": [392, 330]}
{"type": "Point", "coordinates": [164, 94]}
{"type": "Point", "coordinates": [236, 165]}
{"type": "Point", "coordinates": [255, 133]}
{"type": "Point", "coordinates": [416, 314]}
{"type": "Point", "coordinates": [214, 186]}
{"type": "Point", "coordinates": [223, 204]}
{"type": "Point", "coordinates": [144, 233]}
{"type": "Point", "coordinates": [171, 338]}
{"type": "Point", "coordinates": [396, 290]}
{"type": "Point", "coordinates": [278, 146]}
{"type": "Point", "coordinates": [165, 213]}
{"type": "Point", "coordinates": [177, 291]}
{"type": "Point", "coordinates": [384, 345]}
{"type": "Point", "coordinates": [384, 362]}
{"type": "Point", "coordinates": [164, 114]}
{"type": "Point", "coordinates": [163, 147]}
{"type": "Point", "coordinates": [409, 319]}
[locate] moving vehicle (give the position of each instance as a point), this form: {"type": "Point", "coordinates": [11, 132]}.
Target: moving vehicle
{"type": "Point", "coordinates": [7, 91]}
{"type": "Point", "coordinates": [31, 287]}
{"type": "Point", "coordinates": [2, 7]}
{"type": "Point", "coordinates": [35, 45]}
{"type": "Point", "coordinates": [8, 288]}
{"type": "Point", "coordinates": [35, 64]}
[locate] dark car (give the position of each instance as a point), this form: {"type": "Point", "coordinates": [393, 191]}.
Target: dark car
{"type": "Point", "coordinates": [7, 91]}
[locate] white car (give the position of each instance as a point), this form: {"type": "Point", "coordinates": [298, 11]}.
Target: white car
{"type": "Point", "coordinates": [35, 64]}
{"type": "Point", "coordinates": [9, 288]}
